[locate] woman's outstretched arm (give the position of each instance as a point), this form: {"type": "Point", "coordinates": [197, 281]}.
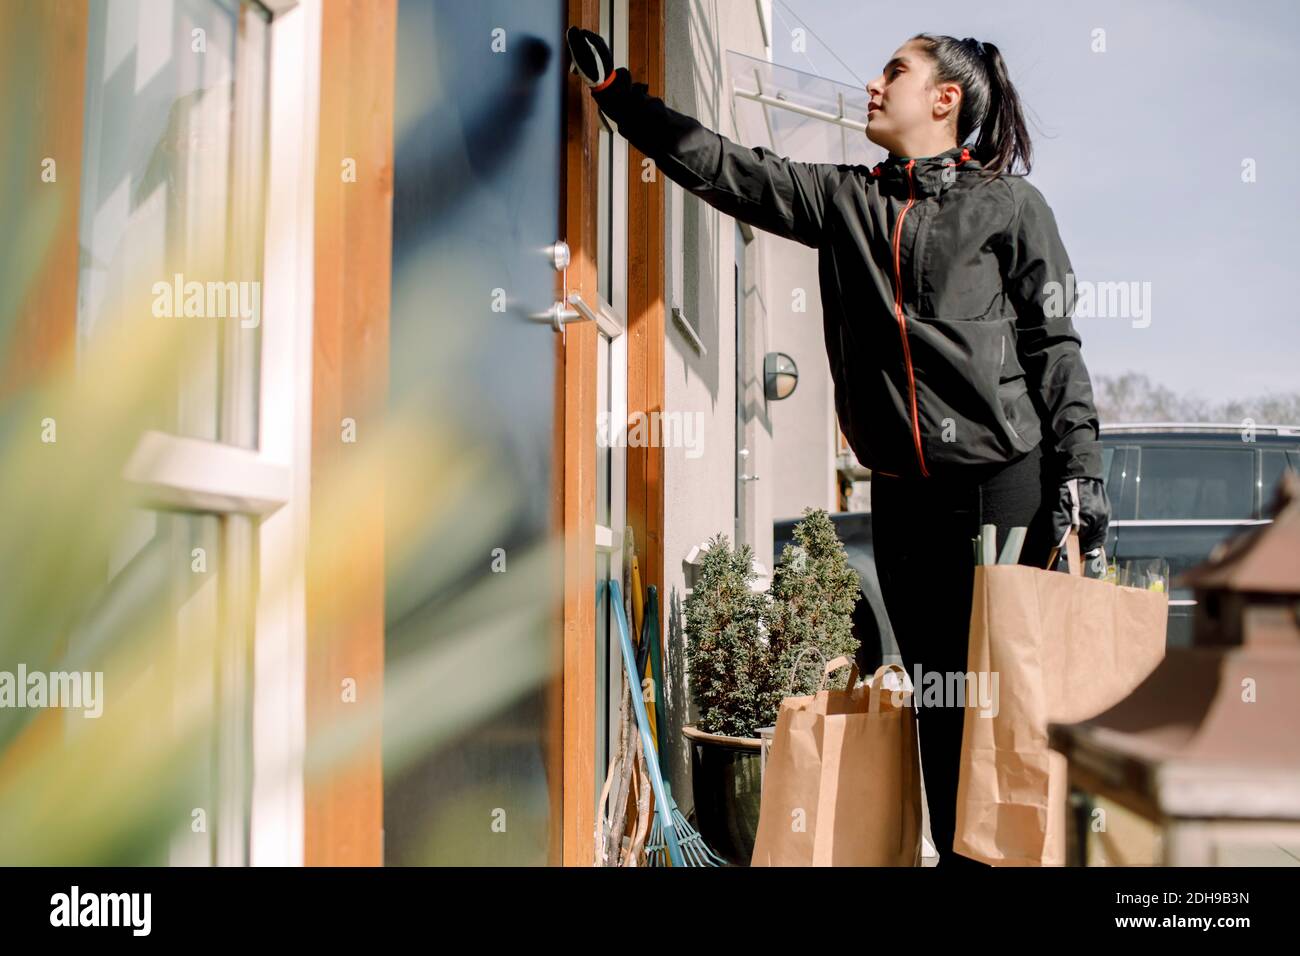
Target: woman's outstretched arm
{"type": "Point", "coordinates": [755, 186]}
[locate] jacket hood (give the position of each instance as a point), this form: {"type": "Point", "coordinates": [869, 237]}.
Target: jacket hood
{"type": "Point", "coordinates": [926, 172]}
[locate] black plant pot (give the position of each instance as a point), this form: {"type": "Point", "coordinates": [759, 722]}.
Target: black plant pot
{"type": "Point", "coordinates": [726, 783]}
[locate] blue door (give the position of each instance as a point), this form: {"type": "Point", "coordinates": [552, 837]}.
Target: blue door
{"type": "Point", "coordinates": [474, 578]}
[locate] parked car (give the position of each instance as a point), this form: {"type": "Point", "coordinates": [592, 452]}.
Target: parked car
{"type": "Point", "coordinates": [1178, 489]}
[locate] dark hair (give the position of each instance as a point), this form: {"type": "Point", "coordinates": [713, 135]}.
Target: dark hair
{"type": "Point", "coordinates": [989, 102]}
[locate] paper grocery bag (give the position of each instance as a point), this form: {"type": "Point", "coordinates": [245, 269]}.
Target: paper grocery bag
{"type": "Point", "coordinates": [842, 783]}
{"type": "Point", "coordinates": [1064, 648]}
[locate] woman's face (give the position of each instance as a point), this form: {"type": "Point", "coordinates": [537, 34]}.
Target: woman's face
{"type": "Point", "coordinates": [902, 99]}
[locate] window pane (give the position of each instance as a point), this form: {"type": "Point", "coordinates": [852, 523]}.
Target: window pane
{"type": "Point", "coordinates": [170, 224]}
{"type": "Point", "coordinates": [1272, 464]}
{"type": "Point", "coordinates": [167, 639]}
{"type": "Point", "coordinates": [1114, 459]}
{"type": "Point", "coordinates": [604, 184]}
{"type": "Point", "coordinates": [1190, 483]}
{"type": "Point", "coordinates": [607, 432]}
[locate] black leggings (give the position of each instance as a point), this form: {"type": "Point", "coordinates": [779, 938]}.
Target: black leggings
{"type": "Point", "coordinates": [922, 530]}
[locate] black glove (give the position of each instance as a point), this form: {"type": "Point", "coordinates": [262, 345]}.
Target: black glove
{"type": "Point", "coordinates": [1082, 503]}
{"type": "Point", "coordinates": [589, 55]}
{"type": "Point", "coordinates": [590, 58]}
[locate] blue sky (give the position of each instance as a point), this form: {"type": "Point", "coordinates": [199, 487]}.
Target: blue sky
{"type": "Point", "coordinates": [1139, 150]}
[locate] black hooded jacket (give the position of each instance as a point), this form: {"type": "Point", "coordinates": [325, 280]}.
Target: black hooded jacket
{"type": "Point", "coordinates": [946, 308]}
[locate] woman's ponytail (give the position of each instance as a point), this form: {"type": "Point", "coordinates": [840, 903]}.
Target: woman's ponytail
{"type": "Point", "coordinates": [990, 102]}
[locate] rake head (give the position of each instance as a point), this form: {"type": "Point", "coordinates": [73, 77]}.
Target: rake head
{"type": "Point", "coordinates": [695, 851]}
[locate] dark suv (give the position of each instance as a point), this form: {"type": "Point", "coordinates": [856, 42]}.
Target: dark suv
{"type": "Point", "coordinates": [1176, 490]}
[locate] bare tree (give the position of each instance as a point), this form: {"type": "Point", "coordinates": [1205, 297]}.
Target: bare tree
{"type": "Point", "coordinates": [1133, 397]}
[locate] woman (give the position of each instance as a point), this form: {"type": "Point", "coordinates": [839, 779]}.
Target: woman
{"type": "Point", "coordinates": [958, 375]}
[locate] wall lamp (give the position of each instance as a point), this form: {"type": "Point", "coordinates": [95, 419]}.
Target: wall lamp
{"type": "Point", "coordinates": [780, 376]}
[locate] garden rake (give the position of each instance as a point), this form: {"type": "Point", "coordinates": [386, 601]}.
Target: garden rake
{"type": "Point", "coordinates": [663, 814]}
{"type": "Point", "coordinates": [695, 852]}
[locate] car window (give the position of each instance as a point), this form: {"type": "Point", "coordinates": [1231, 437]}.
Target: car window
{"type": "Point", "coordinates": [1118, 464]}
{"type": "Point", "coordinates": [1273, 461]}
{"type": "Point", "coordinates": [1192, 482]}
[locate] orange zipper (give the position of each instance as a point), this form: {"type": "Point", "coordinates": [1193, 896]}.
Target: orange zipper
{"type": "Point", "coordinates": [902, 321]}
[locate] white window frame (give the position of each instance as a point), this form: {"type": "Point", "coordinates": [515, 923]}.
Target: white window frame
{"type": "Point", "coordinates": [610, 539]}
{"type": "Point", "coordinates": [271, 483]}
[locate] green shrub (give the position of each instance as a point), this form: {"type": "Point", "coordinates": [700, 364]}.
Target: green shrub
{"type": "Point", "coordinates": [741, 645]}
{"type": "Point", "coordinates": [725, 649]}
{"type": "Point", "coordinates": [813, 594]}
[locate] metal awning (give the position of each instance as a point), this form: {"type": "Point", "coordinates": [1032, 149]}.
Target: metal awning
{"type": "Point", "coordinates": [800, 115]}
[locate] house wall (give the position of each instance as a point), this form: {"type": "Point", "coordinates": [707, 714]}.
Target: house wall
{"type": "Point", "coordinates": [700, 483]}
{"type": "Point", "coordinates": [803, 425]}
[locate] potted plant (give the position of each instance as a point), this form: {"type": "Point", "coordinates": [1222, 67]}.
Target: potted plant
{"type": "Point", "coordinates": [741, 650]}
{"type": "Point", "coordinates": [814, 591]}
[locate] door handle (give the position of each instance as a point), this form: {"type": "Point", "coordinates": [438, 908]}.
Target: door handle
{"type": "Point", "coordinates": [558, 315]}
{"type": "Point", "coordinates": [575, 309]}
{"type": "Point", "coordinates": [571, 307]}
{"type": "Point", "coordinates": [744, 453]}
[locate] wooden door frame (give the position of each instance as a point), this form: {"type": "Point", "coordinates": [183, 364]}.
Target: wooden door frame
{"type": "Point", "coordinates": [574, 697]}
{"type": "Point", "coordinates": [645, 307]}
{"type": "Point", "coordinates": [344, 808]}
{"type": "Point", "coordinates": [573, 737]}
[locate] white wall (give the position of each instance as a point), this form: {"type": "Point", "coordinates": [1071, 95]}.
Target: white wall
{"type": "Point", "coordinates": [803, 425]}
{"type": "Point", "coordinates": [699, 493]}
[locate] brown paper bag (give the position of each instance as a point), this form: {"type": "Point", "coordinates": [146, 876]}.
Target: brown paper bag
{"type": "Point", "coordinates": [842, 784]}
{"type": "Point", "coordinates": [1064, 648]}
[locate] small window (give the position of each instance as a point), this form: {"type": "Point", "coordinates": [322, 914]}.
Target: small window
{"type": "Point", "coordinates": [1190, 483]}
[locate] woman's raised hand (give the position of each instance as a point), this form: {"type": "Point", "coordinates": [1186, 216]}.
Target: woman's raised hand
{"type": "Point", "coordinates": [590, 56]}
